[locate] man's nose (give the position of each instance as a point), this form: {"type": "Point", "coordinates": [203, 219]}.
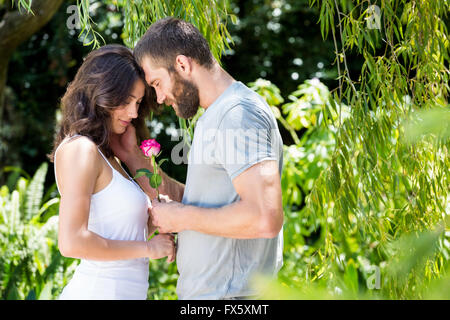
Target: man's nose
{"type": "Point", "coordinates": [160, 97]}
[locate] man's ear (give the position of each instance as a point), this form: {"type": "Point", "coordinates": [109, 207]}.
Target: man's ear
{"type": "Point", "coordinates": [183, 65]}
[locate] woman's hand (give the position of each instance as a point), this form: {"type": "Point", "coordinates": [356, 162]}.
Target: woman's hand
{"type": "Point", "coordinates": [125, 145]}
{"type": "Point", "coordinates": [162, 245]}
{"type": "Point", "coordinates": [151, 227]}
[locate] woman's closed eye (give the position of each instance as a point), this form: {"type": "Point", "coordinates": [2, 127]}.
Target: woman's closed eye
{"type": "Point", "coordinates": [127, 103]}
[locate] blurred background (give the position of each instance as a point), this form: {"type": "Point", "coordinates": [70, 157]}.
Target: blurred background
{"type": "Point", "coordinates": [343, 230]}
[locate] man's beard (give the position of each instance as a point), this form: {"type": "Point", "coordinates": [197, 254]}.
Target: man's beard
{"type": "Point", "coordinates": [186, 96]}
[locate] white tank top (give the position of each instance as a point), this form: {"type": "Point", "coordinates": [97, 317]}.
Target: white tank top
{"type": "Point", "coordinates": [117, 212]}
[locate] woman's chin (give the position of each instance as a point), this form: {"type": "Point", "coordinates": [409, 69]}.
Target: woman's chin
{"type": "Point", "coordinates": [120, 130]}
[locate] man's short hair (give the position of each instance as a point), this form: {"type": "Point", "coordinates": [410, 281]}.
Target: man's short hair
{"type": "Point", "coordinates": [169, 37]}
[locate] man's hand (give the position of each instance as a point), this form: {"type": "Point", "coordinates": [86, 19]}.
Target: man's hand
{"type": "Point", "coordinates": [164, 215]}
{"type": "Point", "coordinates": [125, 145]}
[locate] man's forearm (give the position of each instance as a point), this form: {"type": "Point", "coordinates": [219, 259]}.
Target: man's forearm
{"type": "Point", "coordinates": [169, 186]}
{"type": "Point", "coordinates": [239, 220]}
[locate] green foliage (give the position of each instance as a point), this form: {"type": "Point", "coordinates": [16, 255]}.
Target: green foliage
{"type": "Point", "coordinates": [411, 252]}
{"type": "Point", "coordinates": [435, 122]}
{"type": "Point", "coordinates": [35, 192]}
{"type": "Point", "coordinates": [380, 187]}
{"type": "Point", "coordinates": [162, 280]}
{"type": "Point", "coordinates": [23, 4]}
{"type": "Point", "coordinates": [338, 252]}
{"type": "Point", "coordinates": [279, 41]}
{"type": "Point", "coordinates": [31, 266]}
{"type": "Point", "coordinates": [208, 16]}
{"type": "Point", "coordinates": [303, 162]}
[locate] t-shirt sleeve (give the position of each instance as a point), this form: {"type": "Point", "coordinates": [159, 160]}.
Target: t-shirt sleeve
{"type": "Point", "coordinates": [245, 137]}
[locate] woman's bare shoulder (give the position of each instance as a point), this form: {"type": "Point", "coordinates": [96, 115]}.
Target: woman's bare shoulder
{"type": "Point", "coordinates": [78, 150]}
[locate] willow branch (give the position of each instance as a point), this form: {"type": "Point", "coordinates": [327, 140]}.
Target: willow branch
{"type": "Point", "coordinates": [343, 50]}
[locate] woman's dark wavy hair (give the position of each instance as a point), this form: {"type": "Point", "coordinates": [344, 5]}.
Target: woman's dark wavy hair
{"type": "Point", "coordinates": [103, 83]}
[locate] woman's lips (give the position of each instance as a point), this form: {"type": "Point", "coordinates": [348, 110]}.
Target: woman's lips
{"type": "Point", "coordinates": [124, 123]}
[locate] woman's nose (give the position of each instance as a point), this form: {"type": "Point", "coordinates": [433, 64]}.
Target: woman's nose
{"type": "Point", "coordinates": [133, 110]}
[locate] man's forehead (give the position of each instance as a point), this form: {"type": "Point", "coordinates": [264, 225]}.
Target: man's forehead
{"type": "Point", "coordinates": [152, 71]}
{"type": "Point", "coordinates": [148, 63]}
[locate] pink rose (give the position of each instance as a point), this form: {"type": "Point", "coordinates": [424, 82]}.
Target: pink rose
{"type": "Point", "coordinates": [150, 147]}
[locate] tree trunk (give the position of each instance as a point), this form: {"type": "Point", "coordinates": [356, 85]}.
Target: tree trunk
{"type": "Point", "coordinates": [16, 27]}
{"type": "Point", "coordinates": [3, 75]}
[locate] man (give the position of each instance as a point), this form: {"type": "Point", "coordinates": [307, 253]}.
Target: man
{"type": "Point", "coordinates": [229, 214]}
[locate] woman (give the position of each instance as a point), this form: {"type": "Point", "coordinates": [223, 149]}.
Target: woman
{"type": "Point", "coordinates": [103, 217]}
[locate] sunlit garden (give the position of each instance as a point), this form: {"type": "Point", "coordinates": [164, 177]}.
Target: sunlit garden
{"type": "Point", "coordinates": [360, 92]}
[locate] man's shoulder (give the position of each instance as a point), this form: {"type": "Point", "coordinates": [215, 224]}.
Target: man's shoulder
{"type": "Point", "coordinates": [245, 98]}
{"type": "Point", "coordinates": [239, 107]}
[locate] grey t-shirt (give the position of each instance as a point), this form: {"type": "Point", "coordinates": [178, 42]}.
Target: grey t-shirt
{"type": "Point", "coordinates": [237, 131]}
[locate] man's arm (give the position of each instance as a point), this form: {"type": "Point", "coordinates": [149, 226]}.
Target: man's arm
{"type": "Point", "coordinates": [258, 213]}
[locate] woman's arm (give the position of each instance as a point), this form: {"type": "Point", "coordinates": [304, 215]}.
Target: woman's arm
{"type": "Point", "coordinates": [78, 165]}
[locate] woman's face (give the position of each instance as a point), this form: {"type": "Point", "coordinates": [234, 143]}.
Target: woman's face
{"type": "Point", "coordinates": [121, 116]}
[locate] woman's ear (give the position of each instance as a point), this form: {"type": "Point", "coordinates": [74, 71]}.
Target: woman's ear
{"type": "Point", "coordinates": [183, 65]}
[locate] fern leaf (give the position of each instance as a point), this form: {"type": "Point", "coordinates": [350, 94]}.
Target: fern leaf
{"type": "Point", "coordinates": [35, 192]}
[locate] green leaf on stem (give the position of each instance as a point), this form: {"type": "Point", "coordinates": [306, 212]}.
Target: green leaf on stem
{"type": "Point", "coordinates": [155, 181]}
{"type": "Point", "coordinates": [143, 172]}
{"type": "Point", "coordinates": [161, 162]}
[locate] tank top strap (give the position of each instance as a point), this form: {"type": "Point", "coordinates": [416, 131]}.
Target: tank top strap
{"type": "Point", "coordinates": [115, 170]}
{"type": "Point", "coordinates": [107, 161]}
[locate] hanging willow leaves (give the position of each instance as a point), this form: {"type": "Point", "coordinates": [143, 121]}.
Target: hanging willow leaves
{"type": "Point", "coordinates": [209, 16]}
{"type": "Point", "coordinates": [384, 169]}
